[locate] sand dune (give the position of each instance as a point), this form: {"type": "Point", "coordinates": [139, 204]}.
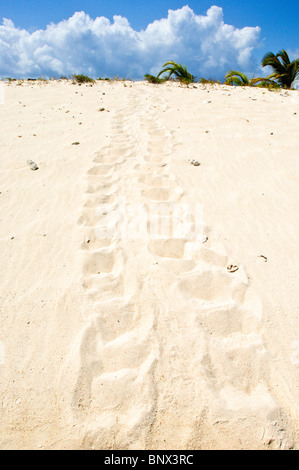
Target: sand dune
{"type": "Point", "coordinates": [122, 325]}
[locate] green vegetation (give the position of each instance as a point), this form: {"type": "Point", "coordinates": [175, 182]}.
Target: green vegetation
{"type": "Point", "coordinates": [240, 79]}
{"type": "Point", "coordinates": [234, 77]}
{"type": "Point", "coordinates": [180, 72]}
{"type": "Point", "coordinates": [82, 79]}
{"type": "Point", "coordinates": [43, 80]}
{"type": "Point", "coordinates": [284, 74]}
{"type": "Point", "coordinates": [209, 81]}
{"type": "Point", "coordinates": [116, 78]}
{"type": "Point", "coordinates": [266, 83]}
{"type": "Point", "coordinates": [284, 71]}
{"type": "Point", "coordinates": [153, 79]}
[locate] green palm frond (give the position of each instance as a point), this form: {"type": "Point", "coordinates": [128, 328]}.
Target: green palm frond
{"type": "Point", "coordinates": [153, 79]}
{"type": "Point", "coordinates": [240, 79]}
{"type": "Point", "coordinates": [284, 57]}
{"type": "Point", "coordinates": [264, 82]}
{"type": "Point", "coordinates": [179, 71]}
{"type": "Point", "coordinates": [233, 77]}
{"type": "Point", "coordinates": [284, 71]}
{"type": "Point", "coordinates": [294, 69]}
{"type": "Point", "coordinates": [234, 81]}
{"type": "Point", "coordinates": [271, 60]}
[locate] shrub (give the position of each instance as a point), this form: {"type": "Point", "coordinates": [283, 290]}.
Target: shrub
{"type": "Point", "coordinates": [82, 79]}
{"type": "Point", "coordinates": [210, 81]}
{"type": "Point", "coordinates": [153, 79]}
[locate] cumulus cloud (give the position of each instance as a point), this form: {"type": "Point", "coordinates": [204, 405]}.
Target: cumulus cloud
{"type": "Point", "coordinates": [98, 47]}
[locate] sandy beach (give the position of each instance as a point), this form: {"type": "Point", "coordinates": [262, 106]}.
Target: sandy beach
{"type": "Point", "coordinates": [149, 266]}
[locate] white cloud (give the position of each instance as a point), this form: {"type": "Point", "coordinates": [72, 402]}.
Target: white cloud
{"type": "Point", "coordinates": [204, 43]}
{"type": "Point", "coordinates": [293, 55]}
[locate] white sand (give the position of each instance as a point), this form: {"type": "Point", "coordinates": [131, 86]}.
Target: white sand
{"type": "Point", "coordinates": [148, 342]}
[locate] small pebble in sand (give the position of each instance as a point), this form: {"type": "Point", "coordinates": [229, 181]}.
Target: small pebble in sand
{"type": "Point", "coordinates": [32, 165]}
{"type": "Point", "coordinates": [195, 162]}
{"type": "Point", "coordinates": [232, 268]}
{"type": "Point", "coordinates": [102, 109]}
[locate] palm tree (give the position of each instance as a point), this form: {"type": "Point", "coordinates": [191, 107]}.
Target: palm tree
{"type": "Point", "coordinates": [240, 79]}
{"type": "Point", "coordinates": [179, 71]}
{"type": "Point", "coordinates": [285, 71]}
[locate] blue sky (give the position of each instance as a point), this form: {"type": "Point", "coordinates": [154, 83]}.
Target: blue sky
{"type": "Point", "coordinates": [22, 53]}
